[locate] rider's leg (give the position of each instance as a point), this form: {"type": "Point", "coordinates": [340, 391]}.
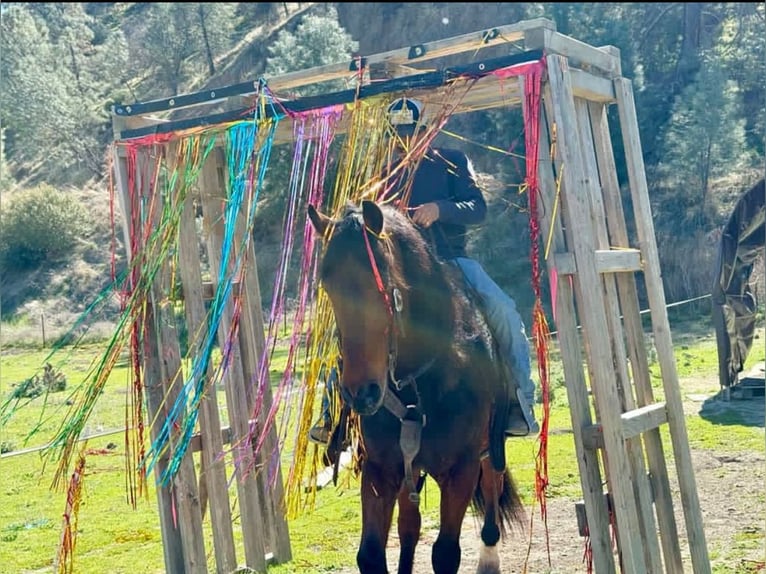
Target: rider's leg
{"type": "Point", "coordinates": [322, 429]}
{"type": "Point", "coordinates": [508, 328]}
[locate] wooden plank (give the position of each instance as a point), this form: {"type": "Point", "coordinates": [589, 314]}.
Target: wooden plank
{"type": "Point", "coordinates": [607, 261]}
{"type": "Point", "coordinates": [413, 54]}
{"type": "Point", "coordinates": [577, 213]}
{"type": "Point", "coordinates": [196, 444]}
{"type": "Point", "coordinates": [633, 445]}
{"type": "Point", "coordinates": [571, 355]}
{"type": "Point", "coordinates": [213, 192]}
{"type": "Point", "coordinates": [592, 88]}
{"type": "Point", "coordinates": [211, 438]}
{"type": "Point", "coordinates": [172, 545]}
{"type": "Point", "coordinates": [187, 511]}
{"type": "Point", "coordinates": [634, 331]}
{"type": "Point", "coordinates": [252, 347]}
{"type": "Point", "coordinates": [634, 423]}
{"type": "Point", "coordinates": [578, 53]}
{"type": "Point", "coordinates": [660, 326]}
{"type": "Point", "coordinates": [642, 419]}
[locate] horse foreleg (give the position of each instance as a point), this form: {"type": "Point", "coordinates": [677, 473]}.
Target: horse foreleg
{"type": "Point", "coordinates": [457, 489]}
{"type": "Point", "coordinates": [490, 486]}
{"type": "Point", "coordinates": [378, 498]}
{"type": "Point", "coordinates": [409, 530]}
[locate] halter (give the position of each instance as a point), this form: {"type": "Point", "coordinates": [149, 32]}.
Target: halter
{"type": "Point", "coordinates": [411, 416]}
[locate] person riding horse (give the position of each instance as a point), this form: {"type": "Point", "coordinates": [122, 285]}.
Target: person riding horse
{"type": "Point", "coordinates": [443, 198]}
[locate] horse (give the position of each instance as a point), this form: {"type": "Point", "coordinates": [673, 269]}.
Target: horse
{"type": "Point", "coordinates": [419, 370]}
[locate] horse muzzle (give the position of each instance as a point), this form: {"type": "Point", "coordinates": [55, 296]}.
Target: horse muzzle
{"type": "Point", "coordinates": [367, 399]}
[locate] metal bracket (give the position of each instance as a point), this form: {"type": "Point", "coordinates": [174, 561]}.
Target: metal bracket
{"type": "Point", "coordinates": [489, 35]}
{"type": "Point", "coordinates": [357, 64]}
{"type": "Point", "coordinates": [417, 51]}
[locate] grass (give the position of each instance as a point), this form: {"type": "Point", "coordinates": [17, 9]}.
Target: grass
{"type": "Point", "coordinates": [323, 538]}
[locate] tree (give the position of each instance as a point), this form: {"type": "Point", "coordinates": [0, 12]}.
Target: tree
{"type": "Point", "coordinates": [217, 23]}
{"type": "Point", "coordinates": [319, 39]}
{"type": "Point", "coordinates": [700, 145]}
{"type": "Point", "coordinates": [63, 128]}
{"type": "Point", "coordinates": [174, 36]}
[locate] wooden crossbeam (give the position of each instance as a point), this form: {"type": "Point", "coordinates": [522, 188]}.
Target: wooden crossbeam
{"type": "Point", "coordinates": [607, 261]}
{"type": "Point", "coordinates": [409, 55]}
{"type": "Point", "coordinates": [634, 423]}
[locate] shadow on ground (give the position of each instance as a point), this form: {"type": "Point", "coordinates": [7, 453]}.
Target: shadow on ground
{"type": "Point", "coordinates": [744, 404]}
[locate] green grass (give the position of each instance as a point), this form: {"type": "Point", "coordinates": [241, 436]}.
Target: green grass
{"type": "Point", "coordinates": [323, 538]}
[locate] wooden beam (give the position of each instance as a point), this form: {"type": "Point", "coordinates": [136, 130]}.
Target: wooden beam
{"type": "Point", "coordinates": [643, 419]}
{"type": "Point", "coordinates": [592, 88]}
{"type": "Point", "coordinates": [607, 261]}
{"type": "Point", "coordinates": [578, 53]}
{"type": "Point", "coordinates": [660, 326]}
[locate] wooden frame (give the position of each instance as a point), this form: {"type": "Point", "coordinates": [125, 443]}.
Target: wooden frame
{"type": "Point", "coordinates": [615, 418]}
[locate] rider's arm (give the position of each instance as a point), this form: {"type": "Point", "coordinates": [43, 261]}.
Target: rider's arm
{"type": "Point", "coordinates": [466, 205]}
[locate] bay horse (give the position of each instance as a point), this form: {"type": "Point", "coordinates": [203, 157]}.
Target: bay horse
{"type": "Point", "coordinates": [419, 369]}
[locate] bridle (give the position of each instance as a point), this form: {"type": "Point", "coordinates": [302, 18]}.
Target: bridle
{"type": "Point", "coordinates": [411, 416]}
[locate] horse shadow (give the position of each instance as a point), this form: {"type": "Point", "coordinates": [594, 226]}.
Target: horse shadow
{"type": "Point", "coordinates": [743, 404]}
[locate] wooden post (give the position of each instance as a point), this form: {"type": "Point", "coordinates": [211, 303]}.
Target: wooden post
{"type": "Point", "coordinates": [571, 356]}
{"type": "Point", "coordinates": [213, 191]}
{"type": "Point", "coordinates": [213, 471]}
{"type": "Point", "coordinates": [589, 291]}
{"type": "Point", "coordinates": [628, 296]}
{"type": "Point", "coordinates": [172, 545]}
{"type": "Point", "coordinates": [661, 327]}
{"type": "Point", "coordinates": [253, 345]}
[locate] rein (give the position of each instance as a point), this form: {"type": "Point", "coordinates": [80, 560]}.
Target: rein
{"type": "Point", "coordinates": [411, 416]}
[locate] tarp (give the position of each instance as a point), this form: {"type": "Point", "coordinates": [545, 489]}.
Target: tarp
{"type": "Point", "coordinates": [742, 241]}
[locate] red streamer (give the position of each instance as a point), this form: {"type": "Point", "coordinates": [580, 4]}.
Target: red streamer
{"type": "Point", "coordinates": [65, 556]}
{"type": "Point", "coordinates": [533, 74]}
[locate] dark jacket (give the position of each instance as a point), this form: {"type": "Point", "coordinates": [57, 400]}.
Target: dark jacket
{"type": "Point", "coordinates": [446, 177]}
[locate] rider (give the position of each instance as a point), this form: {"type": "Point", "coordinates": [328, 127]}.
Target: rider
{"type": "Point", "coordinates": [445, 198]}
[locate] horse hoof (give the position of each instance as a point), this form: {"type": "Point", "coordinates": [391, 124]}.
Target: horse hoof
{"type": "Point", "coordinates": [489, 560]}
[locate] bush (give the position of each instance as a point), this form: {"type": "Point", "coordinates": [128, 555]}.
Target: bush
{"type": "Point", "coordinates": [40, 224]}
{"type": "Point", "coordinates": [52, 381]}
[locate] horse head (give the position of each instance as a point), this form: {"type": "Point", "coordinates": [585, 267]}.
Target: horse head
{"type": "Point", "coordinates": [363, 273]}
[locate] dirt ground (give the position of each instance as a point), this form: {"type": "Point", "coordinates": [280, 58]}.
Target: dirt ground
{"type": "Point", "coordinates": [730, 489]}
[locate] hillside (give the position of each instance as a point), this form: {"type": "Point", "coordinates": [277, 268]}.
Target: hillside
{"type": "Point", "coordinates": [61, 292]}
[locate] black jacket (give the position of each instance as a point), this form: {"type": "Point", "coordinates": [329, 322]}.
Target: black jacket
{"type": "Point", "coordinates": [446, 177]}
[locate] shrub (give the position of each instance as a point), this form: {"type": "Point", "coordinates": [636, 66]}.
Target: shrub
{"type": "Point", "coordinates": [40, 224]}
{"type": "Point", "coordinates": [52, 381]}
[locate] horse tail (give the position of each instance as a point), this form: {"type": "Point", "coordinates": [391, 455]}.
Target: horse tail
{"type": "Point", "coordinates": [509, 509]}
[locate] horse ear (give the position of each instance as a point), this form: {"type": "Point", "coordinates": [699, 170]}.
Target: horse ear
{"type": "Point", "coordinates": [318, 220]}
{"type": "Point", "coordinates": [373, 216]}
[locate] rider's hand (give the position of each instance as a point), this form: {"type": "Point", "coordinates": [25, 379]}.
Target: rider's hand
{"type": "Point", "coordinates": [425, 214]}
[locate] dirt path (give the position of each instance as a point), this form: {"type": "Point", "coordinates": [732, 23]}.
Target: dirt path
{"type": "Point", "coordinates": [730, 488]}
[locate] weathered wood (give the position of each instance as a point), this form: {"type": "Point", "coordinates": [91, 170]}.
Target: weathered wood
{"type": "Point", "coordinates": [412, 54]}
{"type": "Point", "coordinates": [634, 332]}
{"type": "Point", "coordinates": [592, 88]}
{"type": "Point", "coordinates": [642, 419]}
{"type": "Point", "coordinates": [577, 212]}
{"type": "Point", "coordinates": [213, 192]}
{"type": "Point", "coordinates": [252, 348]}
{"type": "Point", "coordinates": [571, 354]}
{"type": "Point", "coordinates": [633, 444]}
{"type": "Point", "coordinates": [634, 423]}
{"type": "Point", "coordinates": [607, 261]}
{"type": "Point", "coordinates": [661, 327]}
{"type": "Point", "coordinates": [172, 545]}
{"type": "Point", "coordinates": [577, 52]}
{"type": "Point", "coordinates": [184, 482]}
{"type": "Point", "coordinates": [210, 441]}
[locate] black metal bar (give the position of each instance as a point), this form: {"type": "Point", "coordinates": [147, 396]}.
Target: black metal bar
{"type": "Point", "coordinates": [182, 101]}
{"type": "Point", "coordinates": [418, 81]}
